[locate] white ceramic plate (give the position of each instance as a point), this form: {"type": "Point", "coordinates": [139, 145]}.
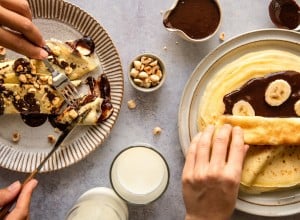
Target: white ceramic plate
{"type": "Point", "coordinates": [267, 204]}
{"type": "Point", "coordinates": [63, 21]}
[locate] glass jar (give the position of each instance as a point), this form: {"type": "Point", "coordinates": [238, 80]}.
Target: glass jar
{"type": "Point", "coordinates": [99, 203]}
{"type": "Point", "coordinates": [139, 174]}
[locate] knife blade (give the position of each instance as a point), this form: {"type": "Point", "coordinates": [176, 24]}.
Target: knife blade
{"type": "Point", "coordinates": [6, 208]}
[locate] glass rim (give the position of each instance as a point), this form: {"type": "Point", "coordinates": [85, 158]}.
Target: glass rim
{"type": "Point", "coordinates": [140, 145]}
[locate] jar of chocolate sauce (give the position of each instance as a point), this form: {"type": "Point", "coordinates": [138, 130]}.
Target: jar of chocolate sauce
{"type": "Point", "coordinates": [285, 13]}
{"type": "Point", "coordinates": [193, 20]}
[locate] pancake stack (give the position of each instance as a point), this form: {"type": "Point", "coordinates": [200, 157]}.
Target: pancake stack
{"type": "Point", "coordinates": [258, 93]}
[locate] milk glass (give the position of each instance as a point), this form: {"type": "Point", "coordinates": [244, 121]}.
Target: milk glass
{"type": "Point", "coordinates": [139, 175]}
{"type": "Point", "coordinates": [99, 204]}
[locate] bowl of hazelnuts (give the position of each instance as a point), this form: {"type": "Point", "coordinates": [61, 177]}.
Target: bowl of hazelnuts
{"type": "Point", "coordinates": [147, 72]}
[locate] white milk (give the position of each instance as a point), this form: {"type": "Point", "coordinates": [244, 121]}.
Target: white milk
{"type": "Point", "coordinates": [99, 204]}
{"type": "Point", "coordinates": [139, 175]}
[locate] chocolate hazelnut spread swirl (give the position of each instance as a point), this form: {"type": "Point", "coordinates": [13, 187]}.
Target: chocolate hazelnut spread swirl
{"type": "Point", "coordinates": [253, 92]}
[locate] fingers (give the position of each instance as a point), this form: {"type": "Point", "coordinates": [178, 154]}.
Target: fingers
{"type": "Point", "coordinates": [238, 149]}
{"type": "Point", "coordinates": [22, 25]}
{"type": "Point", "coordinates": [9, 193]}
{"type": "Point", "coordinates": [23, 204]}
{"type": "Point", "coordinates": [17, 43]}
{"type": "Point", "coordinates": [189, 165]}
{"type": "Point", "coordinates": [203, 148]}
{"type": "Point", "coordinates": [221, 141]}
{"type": "Point", "coordinates": [19, 6]}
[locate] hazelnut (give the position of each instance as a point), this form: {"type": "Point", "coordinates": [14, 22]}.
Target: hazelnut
{"type": "Point", "coordinates": [137, 64]}
{"type": "Point", "coordinates": [68, 70]}
{"type": "Point", "coordinates": [16, 137]}
{"type": "Point", "coordinates": [131, 104]}
{"type": "Point", "coordinates": [22, 78]}
{"type": "Point", "coordinates": [222, 36]}
{"type": "Point", "coordinates": [146, 60]}
{"type": "Point", "coordinates": [134, 72]}
{"type": "Point", "coordinates": [55, 101]}
{"type": "Point", "coordinates": [51, 139]}
{"type": "Point", "coordinates": [31, 90]}
{"type": "Point", "coordinates": [156, 130]}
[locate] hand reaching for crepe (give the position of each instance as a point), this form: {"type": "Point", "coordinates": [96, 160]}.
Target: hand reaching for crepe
{"type": "Point", "coordinates": [17, 32]}
{"type": "Point", "coordinates": [211, 183]}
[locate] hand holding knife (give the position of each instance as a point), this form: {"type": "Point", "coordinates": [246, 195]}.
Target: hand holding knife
{"type": "Point", "coordinates": [6, 208]}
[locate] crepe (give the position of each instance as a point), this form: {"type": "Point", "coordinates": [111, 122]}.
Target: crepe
{"type": "Point", "coordinates": [266, 167]}
{"type": "Point", "coordinates": [265, 131]}
{"type": "Point", "coordinates": [26, 84]}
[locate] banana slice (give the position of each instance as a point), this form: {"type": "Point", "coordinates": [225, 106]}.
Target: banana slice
{"type": "Point", "coordinates": [297, 107]}
{"type": "Point", "coordinates": [243, 108]}
{"type": "Point", "coordinates": [277, 92]}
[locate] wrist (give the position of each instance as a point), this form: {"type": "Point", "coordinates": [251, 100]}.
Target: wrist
{"type": "Point", "coordinates": [193, 217]}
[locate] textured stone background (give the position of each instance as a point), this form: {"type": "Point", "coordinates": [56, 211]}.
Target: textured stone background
{"type": "Point", "coordinates": [135, 27]}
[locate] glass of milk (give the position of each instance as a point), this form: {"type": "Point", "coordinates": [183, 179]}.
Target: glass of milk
{"type": "Point", "coordinates": [99, 203]}
{"type": "Point", "coordinates": [139, 174]}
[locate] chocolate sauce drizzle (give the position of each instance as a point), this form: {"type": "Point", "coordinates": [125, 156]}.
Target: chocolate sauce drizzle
{"type": "Point", "coordinates": [253, 92]}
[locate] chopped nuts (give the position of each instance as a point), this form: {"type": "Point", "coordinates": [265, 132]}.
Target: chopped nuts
{"type": "Point", "coordinates": [131, 104]}
{"type": "Point", "coordinates": [146, 72]}
{"type": "Point", "coordinates": [16, 137]}
{"type": "Point", "coordinates": [156, 130]}
{"type": "Point", "coordinates": [222, 36]}
{"type": "Point", "coordinates": [56, 130]}
{"type": "Point", "coordinates": [68, 70]}
{"type": "Point", "coordinates": [51, 139]}
{"type": "Point", "coordinates": [22, 78]}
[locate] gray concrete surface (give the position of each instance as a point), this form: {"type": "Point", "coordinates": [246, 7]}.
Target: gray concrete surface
{"type": "Point", "coordinates": [135, 26]}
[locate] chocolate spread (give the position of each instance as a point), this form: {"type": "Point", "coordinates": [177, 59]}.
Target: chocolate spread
{"type": "Point", "coordinates": [253, 92]}
{"type": "Point", "coordinates": [198, 19]}
{"type": "Point", "coordinates": [285, 13]}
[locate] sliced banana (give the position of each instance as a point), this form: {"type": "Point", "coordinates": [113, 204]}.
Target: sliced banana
{"type": "Point", "coordinates": [297, 107]}
{"type": "Point", "coordinates": [243, 108]}
{"type": "Point", "coordinates": [277, 92]}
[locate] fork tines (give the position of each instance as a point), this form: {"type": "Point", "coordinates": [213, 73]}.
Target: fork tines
{"type": "Point", "coordinates": [70, 94]}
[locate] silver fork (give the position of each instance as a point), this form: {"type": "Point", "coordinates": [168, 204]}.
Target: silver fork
{"type": "Point", "coordinates": [63, 85]}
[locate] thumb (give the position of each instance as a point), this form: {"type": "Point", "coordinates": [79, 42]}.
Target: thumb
{"type": "Point", "coordinates": [9, 193]}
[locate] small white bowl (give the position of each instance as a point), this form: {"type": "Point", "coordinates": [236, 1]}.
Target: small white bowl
{"type": "Point", "coordinates": [162, 68]}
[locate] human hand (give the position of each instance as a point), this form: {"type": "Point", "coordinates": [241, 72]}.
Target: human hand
{"type": "Point", "coordinates": [21, 210]}
{"type": "Point", "coordinates": [17, 32]}
{"type": "Point", "coordinates": [212, 173]}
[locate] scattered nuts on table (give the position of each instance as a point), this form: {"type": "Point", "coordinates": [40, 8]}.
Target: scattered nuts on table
{"type": "Point", "coordinates": [146, 72]}
{"type": "Point", "coordinates": [156, 130]}
{"type": "Point", "coordinates": [16, 137]}
{"type": "Point", "coordinates": [222, 36]}
{"type": "Point", "coordinates": [131, 104]}
{"type": "Point", "coordinates": [51, 139]}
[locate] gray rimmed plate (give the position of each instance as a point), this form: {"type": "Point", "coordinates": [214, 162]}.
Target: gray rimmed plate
{"type": "Point", "coordinates": [267, 204]}
{"type": "Point", "coordinates": [63, 21]}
